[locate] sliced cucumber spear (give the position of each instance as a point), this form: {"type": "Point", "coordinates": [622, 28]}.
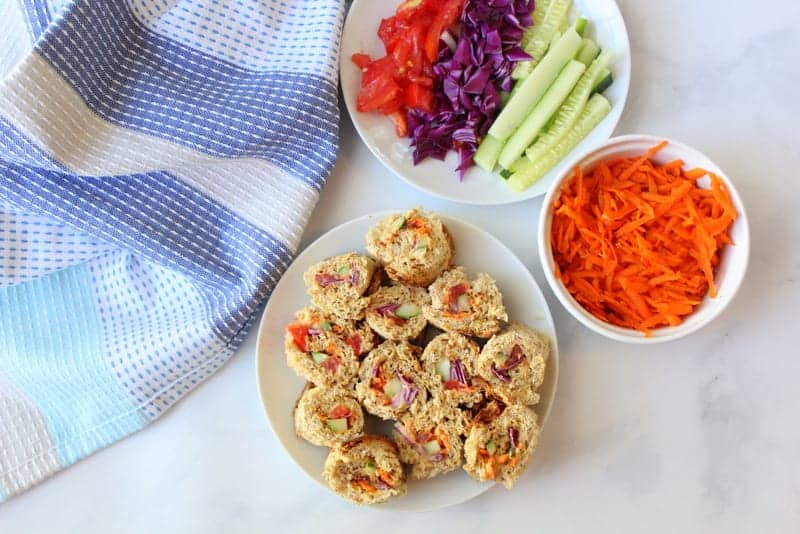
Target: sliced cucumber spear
{"type": "Point", "coordinates": [443, 368]}
{"type": "Point", "coordinates": [432, 447]}
{"type": "Point", "coordinates": [392, 387]}
{"type": "Point", "coordinates": [541, 36]}
{"type": "Point", "coordinates": [319, 357]}
{"type": "Point", "coordinates": [595, 111]}
{"type": "Point", "coordinates": [606, 79]}
{"type": "Point", "coordinates": [535, 85]}
{"type": "Point", "coordinates": [580, 26]}
{"type": "Point", "coordinates": [407, 311]}
{"type": "Point", "coordinates": [547, 106]}
{"type": "Point", "coordinates": [539, 13]}
{"type": "Point", "coordinates": [337, 425]}
{"type": "Point", "coordinates": [589, 50]}
{"type": "Point", "coordinates": [488, 152]}
{"type": "Point", "coordinates": [569, 111]}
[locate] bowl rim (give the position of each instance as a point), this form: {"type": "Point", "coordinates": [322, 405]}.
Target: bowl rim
{"type": "Point", "coordinates": [617, 333]}
{"type": "Point", "coordinates": [514, 198]}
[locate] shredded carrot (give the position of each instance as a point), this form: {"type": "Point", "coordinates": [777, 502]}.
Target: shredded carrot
{"type": "Point", "coordinates": [364, 485]}
{"type": "Point", "coordinates": [386, 477]}
{"type": "Point", "coordinates": [638, 244]}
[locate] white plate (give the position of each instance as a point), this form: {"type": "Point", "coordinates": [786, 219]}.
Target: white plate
{"type": "Point", "coordinates": [439, 178]}
{"type": "Point", "coordinates": [279, 387]}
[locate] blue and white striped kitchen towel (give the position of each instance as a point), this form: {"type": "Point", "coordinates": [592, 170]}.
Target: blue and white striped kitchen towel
{"type": "Point", "coordinates": [158, 162]}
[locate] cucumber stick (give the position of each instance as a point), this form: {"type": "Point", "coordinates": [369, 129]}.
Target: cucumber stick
{"type": "Point", "coordinates": [534, 86]}
{"type": "Point", "coordinates": [541, 37]}
{"type": "Point", "coordinates": [488, 152]}
{"type": "Point", "coordinates": [595, 111]}
{"type": "Point", "coordinates": [568, 112]}
{"type": "Point", "coordinates": [547, 106]}
{"type": "Point", "coordinates": [539, 11]}
{"type": "Point", "coordinates": [580, 26]}
{"type": "Point", "coordinates": [606, 79]}
{"type": "Point", "coordinates": [589, 50]}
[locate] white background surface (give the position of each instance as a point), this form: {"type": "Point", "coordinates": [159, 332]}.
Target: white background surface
{"type": "Point", "coordinates": [699, 435]}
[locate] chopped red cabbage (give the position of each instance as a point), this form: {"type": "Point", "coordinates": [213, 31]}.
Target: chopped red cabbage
{"type": "Point", "coordinates": [469, 80]}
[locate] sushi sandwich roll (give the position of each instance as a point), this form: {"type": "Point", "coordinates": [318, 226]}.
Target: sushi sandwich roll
{"type": "Point", "coordinates": [451, 358]}
{"type": "Point", "coordinates": [414, 247]}
{"type": "Point", "coordinates": [431, 445]}
{"type": "Point", "coordinates": [328, 416]}
{"type": "Point", "coordinates": [470, 307]}
{"type": "Point", "coordinates": [501, 442]}
{"type": "Point", "coordinates": [391, 380]}
{"type": "Point", "coordinates": [513, 364]}
{"type": "Point", "coordinates": [311, 322]}
{"type": "Point", "coordinates": [395, 312]}
{"type": "Point", "coordinates": [366, 470]}
{"type": "Point", "coordinates": [337, 285]}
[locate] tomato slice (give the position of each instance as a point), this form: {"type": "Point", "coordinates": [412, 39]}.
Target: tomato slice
{"type": "Point", "coordinates": [400, 123]}
{"type": "Point", "coordinates": [448, 13]}
{"type": "Point", "coordinates": [362, 61]}
{"type": "Point", "coordinates": [355, 343]}
{"type": "Point", "coordinates": [379, 90]}
{"type": "Point", "coordinates": [339, 412]}
{"type": "Point", "coordinates": [418, 97]}
{"type": "Point", "coordinates": [299, 334]}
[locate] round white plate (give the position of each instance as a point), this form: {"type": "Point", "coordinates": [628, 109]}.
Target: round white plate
{"type": "Point", "coordinates": [280, 387]}
{"type": "Point", "coordinates": [439, 178]}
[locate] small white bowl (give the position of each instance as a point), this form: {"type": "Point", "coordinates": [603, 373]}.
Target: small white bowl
{"type": "Point", "coordinates": [733, 264]}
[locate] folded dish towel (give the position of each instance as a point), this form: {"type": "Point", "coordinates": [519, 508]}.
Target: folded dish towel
{"type": "Point", "coordinates": [158, 162]}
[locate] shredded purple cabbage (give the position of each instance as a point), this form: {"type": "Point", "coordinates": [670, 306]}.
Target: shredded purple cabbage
{"type": "Point", "coordinates": [469, 80]}
{"type": "Point", "coordinates": [457, 372]}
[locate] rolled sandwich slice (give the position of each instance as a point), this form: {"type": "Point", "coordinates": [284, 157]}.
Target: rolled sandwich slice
{"type": "Point", "coordinates": [391, 380]}
{"type": "Point", "coordinates": [337, 285]}
{"type": "Point", "coordinates": [324, 359]}
{"type": "Point", "coordinates": [430, 445]}
{"type": "Point", "coordinates": [414, 247]}
{"type": "Point", "coordinates": [452, 357]}
{"type": "Point", "coordinates": [395, 312]}
{"type": "Point", "coordinates": [328, 416]}
{"type": "Point", "coordinates": [366, 470]}
{"type": "Point", "coordinates": [470, 307]}
{"type": "Point", "coordinates": [501, 442]}
{"type": "Point", "coordinates": [311, 322]}
{"type": "Point", "coordinates": [513, 364]}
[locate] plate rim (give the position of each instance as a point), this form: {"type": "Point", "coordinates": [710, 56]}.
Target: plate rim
{"type": "Point", "coordinates": [554, 351]}
{"type": "Point", "coordinates": [616, 117]}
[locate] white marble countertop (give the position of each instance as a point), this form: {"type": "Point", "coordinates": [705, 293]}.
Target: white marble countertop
{"type": "Point", "coordinates": [699, 435]}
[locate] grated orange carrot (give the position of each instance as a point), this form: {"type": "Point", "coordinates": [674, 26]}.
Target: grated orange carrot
{"type": "Point", "coordinates": [638, 244]}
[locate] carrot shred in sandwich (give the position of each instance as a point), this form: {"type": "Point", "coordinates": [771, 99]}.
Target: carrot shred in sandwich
{"type": "Point", "coordinates": [364, 485]}
{"type": "Point", "coordinates": [637, 244]}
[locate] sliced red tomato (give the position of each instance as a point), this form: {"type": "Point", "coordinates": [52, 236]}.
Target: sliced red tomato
{"type": "Point", "coordinates": [355, 343]}
{"type": "Point", "coordinates": [400, 123]}
{"type": "Point", "coordinates": [362, 61]}
{"type": "Point", "coordinates": [455, 384]}
{"type": "Point", "coordinates": [447, 15]}
{"type": "Point", "coordinates": [418, 97]}
{"type": "Point", "coordinates": [299, 334]}
{"type": "Point", "coordinates": [390, 31]}
{"type": "Point", "coordinates": [339, 412]}
{"type": "Point", "coordinates": [404, 78]}
{"type": "Point", "coordinates": [331, 364]}
{"type": "Point", "coordinates": [379, 90]}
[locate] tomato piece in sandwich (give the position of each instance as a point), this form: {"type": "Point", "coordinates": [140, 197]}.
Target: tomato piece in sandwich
{"type": "Point", "coordinates": [299, 334]}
